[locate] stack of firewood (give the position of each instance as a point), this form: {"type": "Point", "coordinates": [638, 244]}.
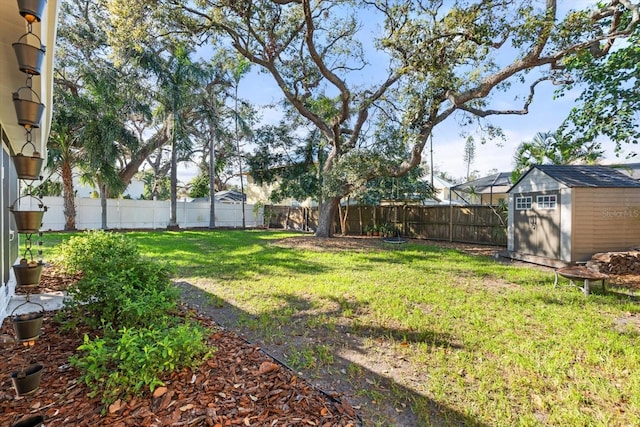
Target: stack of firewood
{"type": "Point", "coordinates": [616, 262]}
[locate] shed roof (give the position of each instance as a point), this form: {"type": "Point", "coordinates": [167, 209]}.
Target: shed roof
{"type": "Point", "coordinates": [585, 176]}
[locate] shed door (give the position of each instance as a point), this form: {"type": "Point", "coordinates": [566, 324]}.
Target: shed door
{"type": "Point", "coordinates": [537, 225]}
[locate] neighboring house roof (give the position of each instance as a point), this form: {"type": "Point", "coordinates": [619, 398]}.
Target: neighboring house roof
{"type": "Point", "coordinates": [437, 182]}
{"type": "Point", "coordinates": [230, 196]}
{"type": "Point", "coordinates": [585, 176]}
{"type": "Point", "coordinates": [226, 196]}
{"type": "Point", "coordinates": [496, 183]}
{"type": "Point", "coordinates": [631, 169]}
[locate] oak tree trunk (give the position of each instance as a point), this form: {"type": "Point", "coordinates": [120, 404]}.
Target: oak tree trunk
{"type": "Point", "coordinates": [326, 215]}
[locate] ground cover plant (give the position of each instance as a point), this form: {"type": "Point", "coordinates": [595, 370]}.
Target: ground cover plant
{"type": "Point", "coordinates": [453, 338]}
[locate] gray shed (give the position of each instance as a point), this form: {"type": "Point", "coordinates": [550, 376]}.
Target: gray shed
{"type": "Point", "coordinates": [567, 213]}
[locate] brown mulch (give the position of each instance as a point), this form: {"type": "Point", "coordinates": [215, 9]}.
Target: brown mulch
{"type": "Point", "coordinates": [239, 385]}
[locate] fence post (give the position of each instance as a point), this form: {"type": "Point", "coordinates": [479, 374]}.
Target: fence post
{"type": "Point", "coordinates": [450, 222]}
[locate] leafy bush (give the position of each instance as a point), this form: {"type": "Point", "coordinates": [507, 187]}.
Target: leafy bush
{"type": "Point", "coordinates": [95, 252]}
{"type": "Point", "coordinates": [132, 293]}
{"type": "Point", "coordinates": [118, 287]}
{"type": "Point", "coordinates": [133, 359]}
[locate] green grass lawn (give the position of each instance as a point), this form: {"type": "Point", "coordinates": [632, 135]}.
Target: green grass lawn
{"type": "Point", "coordinates": [494, 343]}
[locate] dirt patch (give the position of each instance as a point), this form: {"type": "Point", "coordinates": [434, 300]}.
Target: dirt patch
{"type": "Point", "coordinates": [378, 243]}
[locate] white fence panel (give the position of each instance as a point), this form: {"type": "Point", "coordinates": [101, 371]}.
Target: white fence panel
{"type": "Point", "coordinates": [149, 214]}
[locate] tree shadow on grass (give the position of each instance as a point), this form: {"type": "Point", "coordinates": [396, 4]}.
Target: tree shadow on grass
{"type": "Point", "coordinates": [344, 373]}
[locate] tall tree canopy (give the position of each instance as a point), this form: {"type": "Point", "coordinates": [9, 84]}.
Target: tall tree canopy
{"type": "Point", "coordinates": [610, 103]}
{"type": "Point", "coordinates": [93, 102]}
{"type": "Point", "coordinates": [442, 59]}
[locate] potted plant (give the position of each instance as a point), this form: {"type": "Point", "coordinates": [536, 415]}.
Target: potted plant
{"type": "Point", "coordinates": [368, 230]}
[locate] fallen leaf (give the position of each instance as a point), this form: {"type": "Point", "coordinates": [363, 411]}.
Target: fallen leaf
{"type": "Point", "coordinates": [160, 391]}
{"type": "Point", "coordinates": [115, 406]}
{"type": "Point", "coordinates": [537, 401]}
{"type": "Point", "coordinates": [267, 367]}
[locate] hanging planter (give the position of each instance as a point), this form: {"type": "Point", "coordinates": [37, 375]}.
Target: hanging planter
{"type": "Point", "coordinates": [29, 112]}
{"type": "Point", "coordinates": [29, 56]}
{"type": "Point", "coordinates": [27, 220]}
{"type": "Point", "coordinates": [35, 421]}
{"type": "Point", "coordinates": [32, 10]}
{"type": "Point", "coordinates": [28, 167]}
{"type": "Point", "coordinates": [27, 327]}
{"type": "Point", "coordinates": [28, 273]}
{"type": "Point", "coordinates": [27, 380]}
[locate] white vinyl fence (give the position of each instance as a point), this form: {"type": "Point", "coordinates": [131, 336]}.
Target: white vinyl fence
{"type": "Point", "coordinates": [152, 214]}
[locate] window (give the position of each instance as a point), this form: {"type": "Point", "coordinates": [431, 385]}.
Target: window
{"type": "Point", "coordinates": [523, 203]}
{"type": "Point", "coordinates": [546, 202]}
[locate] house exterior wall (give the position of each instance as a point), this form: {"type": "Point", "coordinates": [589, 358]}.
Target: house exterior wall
{"type": "Point", "coordinates": [492, 199]}
{"type": "Point", "coordinates": [8, 237]}
{"type": "Point", "coordinates": [604, 219]}
{"type": "Point", "coordinates": [257, 193]}
{"type": "Point", "coordinates": [12, 134]}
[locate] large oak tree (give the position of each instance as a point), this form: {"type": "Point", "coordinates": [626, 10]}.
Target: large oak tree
{"type": "Point", "coordinates": [442, 59]}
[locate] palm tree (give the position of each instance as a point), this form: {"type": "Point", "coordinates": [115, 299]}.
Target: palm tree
{"type": "Point", "coordinates": [239, 69]}
{"type": "Point", "coordinates": [64, 151]}
{"type": "Point", "coordinates": [178, 80]}
{"type": "Point", "coordinates": [556, 149]}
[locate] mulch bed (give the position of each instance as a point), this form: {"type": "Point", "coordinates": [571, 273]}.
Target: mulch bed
{"type": "Point", "coordinates": [239, 385]}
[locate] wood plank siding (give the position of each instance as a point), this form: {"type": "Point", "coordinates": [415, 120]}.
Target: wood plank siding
{"type": "Point", "coordinates": [604, 219]}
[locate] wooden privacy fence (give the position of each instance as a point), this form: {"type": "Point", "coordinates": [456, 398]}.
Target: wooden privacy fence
{"type": "Point", "coordinates": [469, 224]}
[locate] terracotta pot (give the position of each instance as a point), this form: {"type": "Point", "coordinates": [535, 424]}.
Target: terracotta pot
{"type": "Point", "coordinates": [28, 275]}
{"type": "Point", "coordinates": [28, 167]}
{"type": "Point", "coordinates": [28, 380]}
{"type": "Point", "coordinates": [35, 421]}
{"type": "Point", "coordinates": [27, 326]}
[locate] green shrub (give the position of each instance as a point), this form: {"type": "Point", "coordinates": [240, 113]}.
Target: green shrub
{"type": "Point", "coordinates": [95, 252]}
{"type": "Point", "coordinates": [133, 360]}
{"type": "Point", "coordinates": [119, 287]}
{"type": "Point", "coordinates": [132, 293]}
